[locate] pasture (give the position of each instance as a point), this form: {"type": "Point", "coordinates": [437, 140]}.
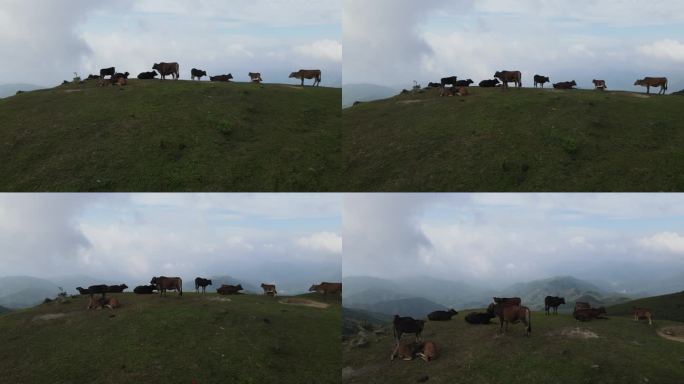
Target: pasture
{"type": "Point", "coordinates": [171, 136]}
{"type": "Point", "coordinates": [561, 350]}
{"type": "Point", "coordinates": [515, 140]}
{"type": "Point", "coordinates": [242, 339]}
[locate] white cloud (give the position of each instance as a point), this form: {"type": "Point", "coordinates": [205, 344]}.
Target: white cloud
{"type": "Point", "coordinates": [665, 241]}
{"type": "Point", "coordinates": [322, 241]}
{"type": "Point", "coordinates": [322, 49]}
{"type": "Point", "coordinates": [667, 49]}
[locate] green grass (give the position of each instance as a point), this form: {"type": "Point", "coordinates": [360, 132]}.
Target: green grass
{"type": "Point", "coordinates": [171, 136]}
{"type": "Point", "coordinates": [625, 352]}
{"type": "Point", "coordinates": [518, 140]}
{"type": "Point", "coordinates": [173, 340]}
{"type": "Point", "coordinates": [665, 307]}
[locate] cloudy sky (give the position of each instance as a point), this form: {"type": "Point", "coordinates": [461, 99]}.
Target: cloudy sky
{"type": "Point", "coordinates": [393, 42]}
{"type": "Point", "coordinates": [45, 41]}
{"type": "Point", "coordinates": [508, 238]}
{"type": "Point", "coordinates": [131, 237]}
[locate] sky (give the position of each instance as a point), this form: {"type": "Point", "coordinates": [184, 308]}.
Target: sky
{"type": "Point", "coordinates": [509, 238]}
{"type": "Point", "coordinates": [393, 42]}
{"type": "Point", "coordinates": [45, 41]}
{"type": "Point", "coordinates": [132, 237]}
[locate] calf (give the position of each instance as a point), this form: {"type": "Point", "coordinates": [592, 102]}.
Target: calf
{"type": "Point", "coordinates": [447, 91]}
{"type": "Point", "coordinates": [428, 351]}
{"type": "Point", "coordinates": [589, 313]}
{"type": "Point", "coordinates": [442, 315]}
{"type": "Point", "coordinates": [229, 289]}
{"type": "Point", "coordinates": [222, 78]}
{"type": "Point", "coordinates": [479, 317]}
{"type": "Point", "coordinates": [201, 282]}
{"type": "Point", "coordinates": [147, 75]}
{"type": "Point", "coordinates": [599, 84]}
{"type": "Point", "coordinates": [255, 77]}
{"type": "Point", "coordinates": [640, 313]}
{"type": "Point", "coordinates": [117, 76]}
{"type": "Point", "coordinates": [464, 83]}
{"type": "Point", "coordinates": [101, 302]}
{"type": "Point", "coordinates": [406, 351]}
{"type": "Point", "coordinates": [489, 83]}
{"type": "Point", "coordinates": [269, 289]}
{"type": "Point", "coordinates": [144, 289]}
{"type": "Point", "coordinates": [540, 80]}
{"type": "Point", "coordinates": [198, 73]}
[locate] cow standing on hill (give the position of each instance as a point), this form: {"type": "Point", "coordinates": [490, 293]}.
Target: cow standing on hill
{"type": "Point", "coordinates": [166, 69]}
{"type": "Point", "coordinates": [508, 312]}
{"type": "Point", "coordinates": [198, 73]}
{"type": "Point", "coordinates": [599, 84]}
{"type": "Point", "coordinates": [164, 283]}
{"type": "Point", "coordinates": [509, 77]}
{"type": "Point", "coordinates": [649, 82]}
{"type": "Point", "coordinates": [308, 74]}
{"type": "Point", "coordinates": [255, 77]}
{"type": "Point", "coordinates": [326, 288]}
{"type": "Point", "coordinates": [402, 325]}
{"type": "Point", "coordinates": [107, 72]}
{"type": "Point", "coordinates": [200, 282]}
{"type": "Point", "coordinates": [538, 79]}
{"type": "Point", "coordinates": [269, 289]}
{"type": "Point", "coordinates": [640, 313]}
{"type": "Point", "coordinates": [229, 289]}
{"type": "Point", "coordinates": [553, 302]}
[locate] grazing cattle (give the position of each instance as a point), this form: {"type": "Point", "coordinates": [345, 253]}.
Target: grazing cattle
{"type": "Point", "coordinates": [406, 351]}
{"type": "Point", "coordinates": [434, 85]}
{"type": "Point", "coordinates": [82, 291]}
{"type": "Point", "coordinates": [509, 313]}
{"type": "Point", "coordinates": [326, 288]}
{"type": "Point", "coordinates": [255, 77]}
{"type": "Point", "coordinates": [581, 305]}
{"type": "Point", "coordinates": [641, 313]}
{"type": "Point", "coordinates": [116, 288]}
{"type": "Point", "coordinates": [164, 283]}
{"type": "Point", "coordinates": [538, 79]}
{"type": "Point", "coordinates": [509, 77]}
{"type": "Point", "coordinates": [507, 300]}
{"type": "Point", "coordinates": [269, 289]}
{"type": "Point", "coordinates": [166, 69]}
{"type": "Point", "coordinates": [403, 325]}
{"type": "Point", "coordinates": [464, 83]}
{"type": "Point", "coordinates": [586, 314]}
{"type": "Point", "coordinates": [200, 282]}
{"type": "Point", "coordinates": [198, 73]}
{"type": "Point", "coordinates": [107, 72]}
{"type": "Point", "coordinates": [565, 85]}
{"type": "Point", "coordinates": [308, 74]}
{"type": "Point", "coordinates": [100, 288]}
{"type": "Point", "coordinates": [144, 289]}
{"type": "Point", "coordinates": [448, 81]}
{"type": "Point", "coordinates": [442, 315]}
{"type": "Point", "coordinates": [649, 82]}
{"type": "Point", "coordinates": [223, 78]}
{"type": "Point", "coordinates": [428, 351]}
{"type": "Point", "coordinates": [489, 83]}
{"type": "Point", "coordinates": [147, 75]}
{"type": "Point", "coordinates": [599, 84]}
{"type": "Point", "coordinates": [479, 317]}
{"type": "Point", "coordinates": [447, 91]}
{"type": "Point", "coordinates": [553, 302]}
{"type": "Point", "coordinates": [229, 289]}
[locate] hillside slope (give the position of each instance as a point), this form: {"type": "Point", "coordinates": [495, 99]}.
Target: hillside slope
{"type": "Point", "coordinates": [171, 136]}
{"type": "Point", "coordinates": [560, 350]}
{"type": "Point", "coordinates": [152, 339]}
{"type": "Point", "coordinates": [519, 140]}
{"type": "Point", "coordinates": [666, 307]}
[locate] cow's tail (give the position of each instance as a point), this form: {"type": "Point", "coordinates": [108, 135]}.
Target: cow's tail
{"type": "Point", "coordinates": [666, 85]}
{"type": "Point", "coordinates": [180, 286]}
{"type": "Point", "coordinates": [529, 321]}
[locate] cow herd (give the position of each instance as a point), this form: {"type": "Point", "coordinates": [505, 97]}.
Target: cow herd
{"type": "Point", "coordinates": [509, 310]}
{"type": "Point", "coordinates": [451, 86]}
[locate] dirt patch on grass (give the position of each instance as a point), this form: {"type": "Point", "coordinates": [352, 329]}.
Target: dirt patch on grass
{"type": "Point", "coordinates": [640, 95]}
{"type": "Point", "coordinates": [409, 101]}
{"type": "Point", "coordinates": [672, 333]}
{"type": "Point", "coordinates": [72, 90]}
{"type": "Point", "coordinates": [49, 316]}
{"type": "Point", "coordinates": [574, 333]}
{"type": "Point", "coordinates": [219, 299]}
{"type": "Point", "coordinates": [304, 302]}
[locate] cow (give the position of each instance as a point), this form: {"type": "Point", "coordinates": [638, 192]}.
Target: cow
{"type": "Point", "coordinates": [229, 289]}
{"type": "Point", "coordinates": [581, 305]}
{"type": "Point", "coordinates": [447, 91]}
{"type": "Point", "coordinates": [101, 302]}
{"type": "Point", "coordinates": [509, 77]}
{"type": "Point", "coordinates": [164, 283]}
{"type": "Point", "coordinates": [147, 75]}
{"type": "Point", "coordinates": [112, 303]}
{"type": "Point", "coordinates": [553, 302]}
{"type": "Point", "coordinates": [198, 73]}
{"type": "Point", "coordinates": [649, 82]}
{"type": "Point", "coordinates": [589, 313]}
{"type": "Point", "coordinates": [116, 288]}
{"type": "Point", "coordinates": [538, 79]}
{"type": "Point", "coordinates": [100, 288]}
{"type": "Point", "coordinates": [510, 313]}
{"type": "Point", "coordinates": [463, 91]}
{"type": "Point", "coordinates": [434, 85]}
{"type": "Point", "coordinates": [326, 288]}
{"type": "Point", "coordinates": [82, 291]}
{"type": "Point", "coordinates": [640, 313]}
{"type": "Point", "coordinates": [223, 78]}
{"type": "Point", "coordinates": [428, 351]}
{"type": "Point", "coordinates": [117, 76]}
{"type": "Point", "coordinates": [489, 83]}
{"type": "Point", "coordinates": [406, 351]}
{"type": "Point", "coordinates": [507, 300]}
{"type": "Point", "coordinates": [144, 289]}
{"type": "Point", "coordinates": [401, 325]}
{"type": "Point", "coordinates": [95, 303]}
{"type": "Point", "coordinates": [451, 80]}
{"type": "Point", "coordinates": [599, 84]}
{"type": "Point", "coordinates": [441, 315]}
{"type": "Point", "coordinates": [479, 317]}
{"type": "Point", "coordinates": [302, 74]}
{"type": "Point", "coordinates": [269, 289]}
{"type": "Point", "coordinates": [107, 72]}
{"type": "Point", "coordinates": [565, 85]}
{"type": "Point", "coordinates": [255, 77]}
{"type": "Point", "coordinates": [464, 83]}
{"type": "Point", "coordinates": [201, 282]}
{"type": "Point", "coordinates": [105, 82]}
{"type": "Point", "coordinates": [166, 69]}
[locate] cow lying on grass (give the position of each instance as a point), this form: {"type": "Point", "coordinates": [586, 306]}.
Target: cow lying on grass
{"type": "Point", "coordinates": [479, 317]}
{"type": "Point", "coordinates": [587, 314]}
{"type": "Point", "coordinates": [427, 351]}
{"type": "Point", "coordinates": [442, 315]}
{"type": "Point", "coordinates": [101, 302]}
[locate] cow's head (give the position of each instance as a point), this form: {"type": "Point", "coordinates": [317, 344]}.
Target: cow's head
{"type": "Point", "coordinates": [230, 76]}
{"type": "Point", "coordinates": [239, 287]}
{"type": "Point", "coordinates": [453, 311]}
{"type": "Point", "coordinates": [124, 286]}
{"type": "Point", "coordinates": [155, 66]}
{"type": "Point", "coordinates": [469, 81]}
{"type": "Point", "coordinates": [640, 82]}
{"type": "Point", "coordinates": [562, 300]}
{"type": "Point", "coordinates": [573, 83]}
{"type": "Point", "coordinates": [294, 74]}
{"type": "Point", "coordinates": [153, 281]}
{"type": "Point", "coordinates": [313, 288]}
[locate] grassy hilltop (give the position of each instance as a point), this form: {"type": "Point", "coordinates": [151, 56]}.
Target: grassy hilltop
{"type": "Point", "coordinates": [241, 339]}
{"type": "Point", "coordinates": [518, 140]}
{"type": "Point", "coordinates": [561, 350]}
{"type": "Point", "coordinates": [171, 136]}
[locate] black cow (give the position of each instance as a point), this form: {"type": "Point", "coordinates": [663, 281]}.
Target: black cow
{"type": "Point", "coordinates": [538, 79]}
{"type": "Point", "coordinates": [116, 288]}
{"type": "Point", "coordinates": [147, 75]}
{"type": "Point", "coordinates": [107, 72]}
{"type": "Point", "coordinates": [201, 282]}
{"type": "Point", "coordinates": [402, 325]}
{"type": "Point", "coordinates": [100, 288]}
{"type": "Point", "coordinates": [82, 291]}
{"type": "Point", "coordinates": [464, 83]}
{"type": "Point", "coordinates": [198, 73]}
{"type": "Point", "coordinates": [553, 302]}
{"type": "Point", "coordinates": [442, 315]}
{"type": "Point", "coordinates": [434, 85]}
{"type": "Point", "coordinates": [144, 289]}
{"type": "Point", "coordinates": [489, 83]}
{"type": "Point", "coordinates": [93, 77]}
{"type": "Point", "coordinates": [479, 318]}
{"type": "Point", "coordinates": [224, 78]}
{"type": "Point", "coordinates": [229, 289]}
{"type": "Point", "coordinates": [448, 81]}
{"type": "Point", "coordinates": [118, 76]}
{"type": "Point", "coordinates": [565, 85]}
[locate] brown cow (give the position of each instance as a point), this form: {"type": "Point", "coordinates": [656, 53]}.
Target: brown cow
{"type": "Point", "coordinates": [166, 69]}
{"type": "Point", "coordinates": [508, 77]}
{"type": "Point", "coordinates": [447, 91]}
{"type": "Point", "coordinates": [640, 313]}
{"type": "Point", "coordinates": [585, 314]}
{"type": "Point", "coordinates": [511, 314]}
{"type": "Point", "coordinates": [269, 289]}
{"type": "Point", "coordinates": [302, 74]}
{"type": "Point", "coordinates": [229, 289]}
{"type": "Point", "coordinates": [649, 82]}
{"type": "Point", "coordinates": [255, 77]}
{"type": "Point", "coordinates": [428, 351]}
{"type": "Point", "coordinates": [326, 288]}
{"type": "Point", "coordinates": [101, 302]}
{"type": "Point", "coordinates": [599, 84]}
{"type": "Point", "coordinates": [163, 283]}
{"type": "Point", "coordinates": [406, 351]}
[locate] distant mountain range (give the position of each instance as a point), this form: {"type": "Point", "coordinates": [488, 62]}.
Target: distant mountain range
{"type": "Point", "coordinates": [11, 89]}
{"type": "Point", "coordinates": [352, 93]}
{"type": "Point", "coordinates": [4, 310]}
